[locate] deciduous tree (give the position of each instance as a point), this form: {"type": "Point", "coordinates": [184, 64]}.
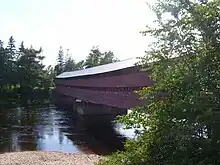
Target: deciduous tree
{"type": "Point", "coordinates": [181, 127]}
{"type": "Point", "coordinates": [96, 57]}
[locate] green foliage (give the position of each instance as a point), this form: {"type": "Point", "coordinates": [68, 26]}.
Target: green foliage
{"type": "Point", "coordinates": [71, 65]}
{"type": "Point", "coordinates": [66, 64]}
{"type": "Point", "coordinates": [59, 68]}
{"type": "Point", "coordinates": [22, 72]}
{"type": "Point", "coordinates": [96, 58]}
{"type": "Point", "coordinates": [30, 70]}
{"type": "Point", "coordinates": [183, 126]}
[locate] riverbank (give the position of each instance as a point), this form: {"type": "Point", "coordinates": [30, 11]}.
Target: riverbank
{"type": "Point", "coordinates": [47, 158]}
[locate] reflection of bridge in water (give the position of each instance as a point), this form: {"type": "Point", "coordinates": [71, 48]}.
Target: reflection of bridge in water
{"type": "Point", "coordinates": [49, 128]}
{"type": "Point", "coordinates": [109, 86]}
{"type": "Point", "coordinates": [97, 136]}
{"type": "Point", "coordinates": [86, 134]}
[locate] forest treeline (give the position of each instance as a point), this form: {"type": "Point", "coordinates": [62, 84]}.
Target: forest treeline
{"type": "Point", "coordinates": [66, 63]}
{"type": "Point", "coordinates": [23, 74]}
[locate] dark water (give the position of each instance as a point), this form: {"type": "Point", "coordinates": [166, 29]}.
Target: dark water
{"type": "Point", "coordinates": [50, 128]}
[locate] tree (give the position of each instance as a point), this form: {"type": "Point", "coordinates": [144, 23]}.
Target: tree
{"type": "Point", "coordinates": [59, 68]}
{"type": "Point", "coordinates": [181, 127]}
{"type": "Point", "coordinates": [22, 74]}
{"type": "Point", "coordinates": [1, 44]}
{"type": "Point", "coordinates": [69, 64]}
{"type": "Point", "coordinates": [80, 65]}
{"type": "Point", "coordinates": [7, 63]}
{"type": "Point", "coordinates": [48, 80]}
{"type": "Point", "coordinates": [60, 58]}
{"type": "Point", "coordinates": [11, 48]}
{"type": "Point", "coordinates": [2, 65]}
{"type": "Point", "coordinates": [107, 57]}
{"type": "Point", "coordinates": [11, 68]}
{"type": "Point", "coordinates": [21, 48]}
{"type": "Point", "coordinates": [96, 58]}
{"type": "Point", "coordinates": [30, 70]}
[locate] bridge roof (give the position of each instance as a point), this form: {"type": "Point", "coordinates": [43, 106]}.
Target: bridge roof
{"type": "Point", "coordinates": [101, 69]}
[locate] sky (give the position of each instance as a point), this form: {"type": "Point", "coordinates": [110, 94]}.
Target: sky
{"type": "Point", "coordinates": [77, 25]}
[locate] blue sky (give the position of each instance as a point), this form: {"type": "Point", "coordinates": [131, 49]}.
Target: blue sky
{"type": "Point", "coordinates": [77, 25]}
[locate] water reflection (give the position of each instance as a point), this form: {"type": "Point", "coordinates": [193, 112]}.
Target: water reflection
{"type": "Point", "coordinates": [50, 128]}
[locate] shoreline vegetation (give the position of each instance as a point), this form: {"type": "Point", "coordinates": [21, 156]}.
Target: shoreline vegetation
{"type": "Point", "coordinates": [25, 81]}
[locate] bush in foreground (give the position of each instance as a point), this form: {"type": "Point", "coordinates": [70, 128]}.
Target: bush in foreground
{"type": "Point", "coordinates": [183, 126]}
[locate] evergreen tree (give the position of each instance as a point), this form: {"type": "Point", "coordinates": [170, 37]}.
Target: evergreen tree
{"type": "Point", "coordinates": [21, 49]}
{"type": "Point", "coordinates": [22, 72]}
{"type": "Point", "coordinates": [30, 70]}
{"type": "Point", "coordinates": [2, 65]}
{"type": "Point", "coordinates": [48, 80]}
{"type": "Point", "coordinates": [59, 68]}
{"type": "Point", "coordinates": [69, 64]}
{"type": "Point", "coordinates": [60, 58]}
{"type": "Point", "coordinates": [11, 49]}
{"type": "Point", "coordinates": [9, 64]}
{"type": "Point", "coordinates": [1, 44]}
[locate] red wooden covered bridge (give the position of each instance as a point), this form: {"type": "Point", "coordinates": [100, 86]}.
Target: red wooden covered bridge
{"type": "Point", "coordinates": [110, 85]}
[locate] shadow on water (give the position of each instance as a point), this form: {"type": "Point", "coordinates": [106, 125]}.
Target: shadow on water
{"type": "Point", "coordinates": [49, 128]}
{"type": "Point", "coordinates": [97, 134]}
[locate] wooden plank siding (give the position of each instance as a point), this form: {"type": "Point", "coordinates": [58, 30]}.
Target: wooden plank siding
{"type": "Point", "coordinates": [109, 98]}
{"type": "Point", "coordinates": [138, 79]}
{"type": "Point", "coordinates": [114, 89]}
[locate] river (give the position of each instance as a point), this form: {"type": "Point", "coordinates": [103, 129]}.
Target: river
{"type": "Point", "coordinates": [50, 128]}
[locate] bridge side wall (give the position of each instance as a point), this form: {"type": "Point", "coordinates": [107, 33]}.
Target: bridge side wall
{"type": "Point", "coordinates": [113, 89]}
{"type": "Point", "coordinates": [138, 79]}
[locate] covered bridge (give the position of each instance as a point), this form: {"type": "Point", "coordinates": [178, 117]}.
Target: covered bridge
{"type": "Point", "coordinates": [110, 84]}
